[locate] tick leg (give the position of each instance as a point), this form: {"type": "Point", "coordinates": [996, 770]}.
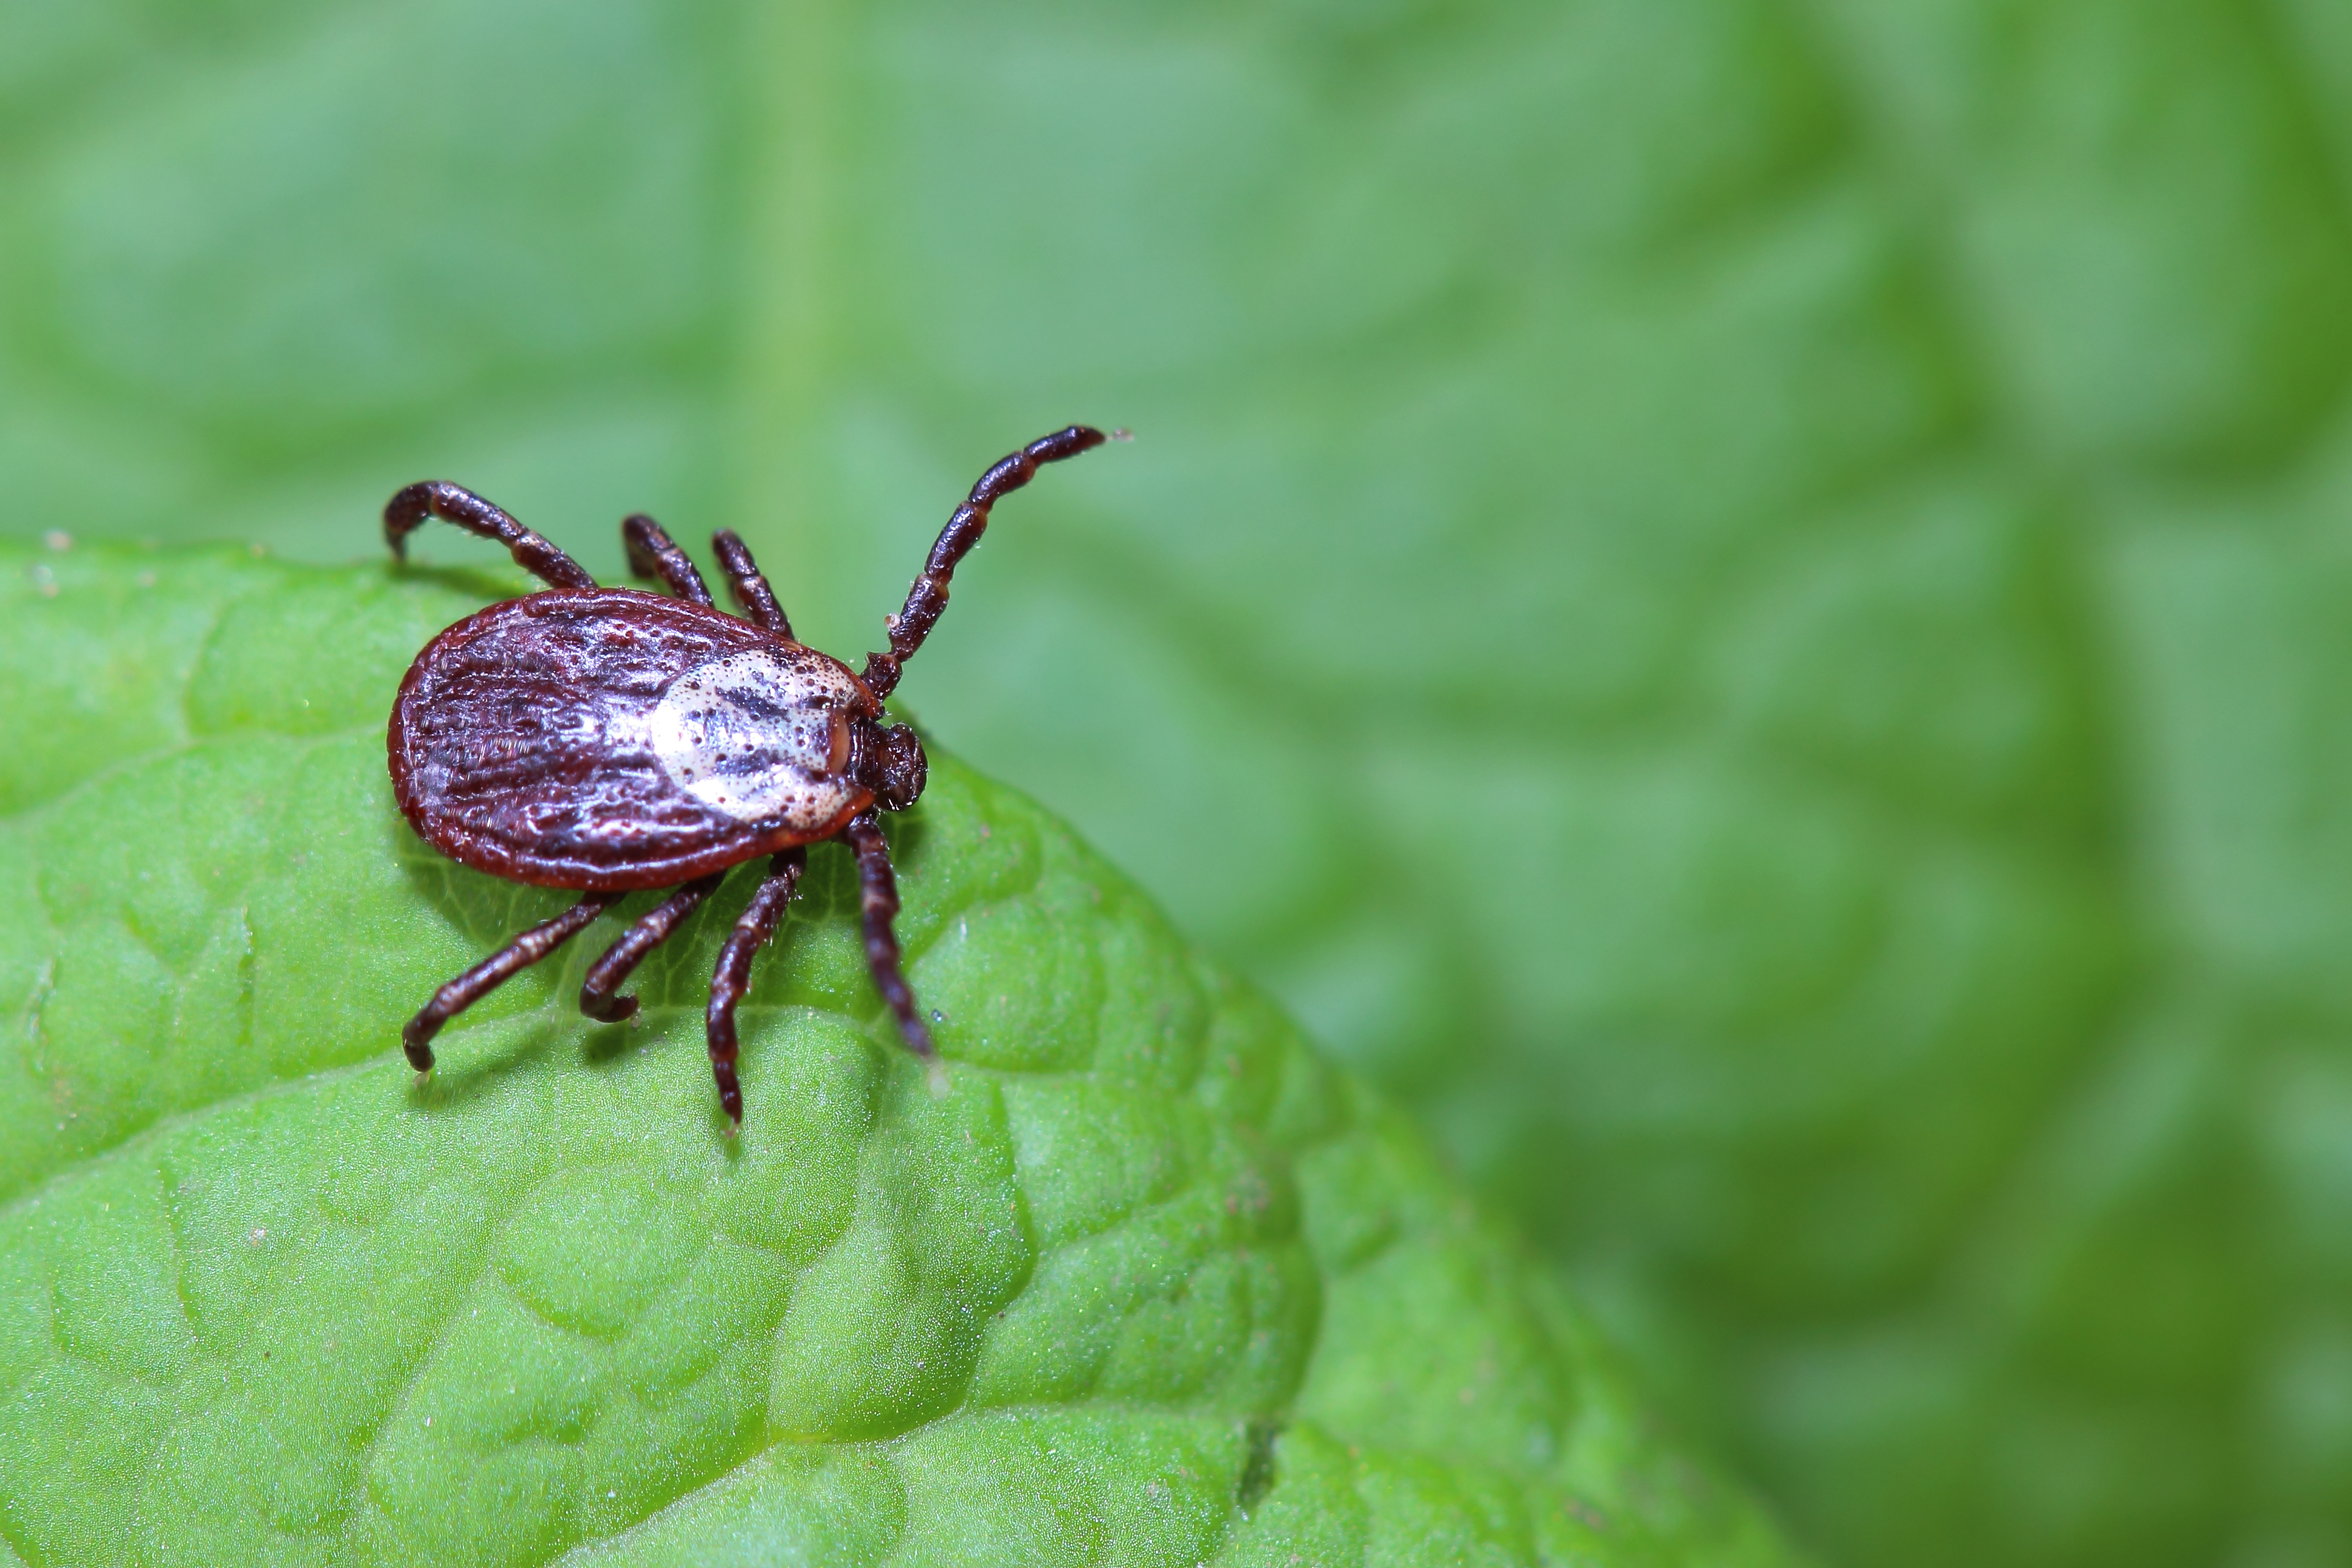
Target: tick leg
{"type": "Point", "coordinates": [929, 596]}
{"type": "Point", "coordinates": [878, 907]}
{"type": "Point", "coordinates": [734, 977]}
{"type": "Point", "coordinates": [751, 589]}
{"type": "Point", "coordinates": [408, 509]}
{"type": "Point", "coordinates": [652, 554]}
{"type": "Point", "coordinates": [608, 974]}
{"type": "Point", "coordinates": [493, 971]}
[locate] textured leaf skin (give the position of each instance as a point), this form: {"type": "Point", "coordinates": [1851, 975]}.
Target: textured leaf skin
{"type": "Point", "coordinates": [1151, 1284]}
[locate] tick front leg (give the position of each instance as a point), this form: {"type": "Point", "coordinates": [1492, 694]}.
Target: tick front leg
{"type": "Point", "coordinates": [652, 554]}
{"type": "Point", "coordinates": [608, 974]}
{"type": "Point", "coordinates": [408, 509]}
{"type": "Point", "coordinates": [750, 586]}
{"type": "Point", "coordinates": [733, 977]}
{"type": "Point", "coordinates": [878, 908]}
{"type": "Point", "coordinates": [493, 971]}
{"type": "Point", "coordinates": [928, 597]}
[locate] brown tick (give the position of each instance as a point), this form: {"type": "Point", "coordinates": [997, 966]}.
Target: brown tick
{"type": "Point", "coordinates": [610, 740]}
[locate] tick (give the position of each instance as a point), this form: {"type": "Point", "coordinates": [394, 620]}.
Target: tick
{"type": "Point", "coordinates": [611, 740]}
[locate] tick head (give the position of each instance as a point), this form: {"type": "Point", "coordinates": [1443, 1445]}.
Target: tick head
{"type": "Point", "coordinates": [889, 760]}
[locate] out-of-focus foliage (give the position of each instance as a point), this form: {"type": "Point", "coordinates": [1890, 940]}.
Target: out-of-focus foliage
{"type": "Point", "coordinates": [1150, 1283]}
{"type": "Point", "coordinates": [1748, 598]}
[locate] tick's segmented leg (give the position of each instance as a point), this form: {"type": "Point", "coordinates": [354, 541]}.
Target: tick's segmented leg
{"type": "Point", "coordinates": [750, 586]}
{"type": "Point", "coordinates": [608, 974]}
{"type": "Point", "coordinates": [653, 555]}
{"type": "Point", "coordinates": [408, 509]}
{"type": "Point", "coordinates": [929, 596]}
{"type": "Point", "coordinates": [878, 908]}
{"type": "Point", "coordinates": [493, 971]}
{"type": "Point", "coordinates": [733, 975]}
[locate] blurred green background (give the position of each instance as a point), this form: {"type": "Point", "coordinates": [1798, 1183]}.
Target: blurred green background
{"type": "Point", "coordinates": [1751, 603]}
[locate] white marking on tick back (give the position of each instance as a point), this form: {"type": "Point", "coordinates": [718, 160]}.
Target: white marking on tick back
{"type": "Point", "coordinates": [749, 735]}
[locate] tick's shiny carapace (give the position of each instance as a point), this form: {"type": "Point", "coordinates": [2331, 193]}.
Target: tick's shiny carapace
{"type": "Point", "coordinates": [611, 740]}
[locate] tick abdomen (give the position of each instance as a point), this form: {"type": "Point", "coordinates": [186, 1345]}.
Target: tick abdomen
{"type": "Point", "coordinates": [609, 739]}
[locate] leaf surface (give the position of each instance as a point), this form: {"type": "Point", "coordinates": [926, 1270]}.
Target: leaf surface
{"type": "Point", "coordinates": [1151, 1284]}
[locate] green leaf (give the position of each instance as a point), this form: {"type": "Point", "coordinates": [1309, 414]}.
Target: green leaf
{"type": "Point", "coordinates": [1150, 1284]}
{"type": "Point", "coordinates": [1741, 601]}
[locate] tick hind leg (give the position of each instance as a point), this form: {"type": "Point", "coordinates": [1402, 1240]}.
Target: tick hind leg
{"type": "Point", "coordinates": [733, 977]}
{"type": "Point", "coordinates": [610, 973]}
{"type": "Point", "coordinates": [652, 554]}
{"type": "Point", "coordinates": [406, 512]}
{"type": "Point", "coordinates": [493, 971]}
{"type": "Point", "coordinates": [749, 583]}
{"type": "Point", "coordinates": [877, 886]}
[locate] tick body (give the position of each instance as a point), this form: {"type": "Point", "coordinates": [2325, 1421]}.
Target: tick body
{"type": "Point", "coordinates": [611, 740]}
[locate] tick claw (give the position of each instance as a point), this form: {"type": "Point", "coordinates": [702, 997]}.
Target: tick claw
{"type": "Point", "coordinates": [935, 1077]}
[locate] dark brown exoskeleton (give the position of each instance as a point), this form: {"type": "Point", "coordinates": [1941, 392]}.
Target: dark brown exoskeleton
{"type": "Point", "coordinates": [610, 740]}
